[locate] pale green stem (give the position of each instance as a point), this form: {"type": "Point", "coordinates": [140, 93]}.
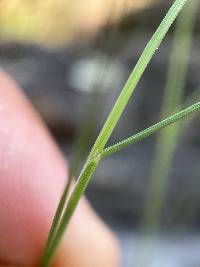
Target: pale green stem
{"type": "Point", "coordinates": [173, 98]}
{"type": "Point", "coordinates": [57, 217]}
{"type": "Point", "coordinates": [110, 123]}
{"type": "Point", "coordinates": [135, 76]}
{"type": "Point", "coordinates": [149, 131]}
{"type": "Point", "coordinates": [86, 130]}
{"type": "Point", "coordinates": [80, 188]}
{"type": "Point", "coordinates": [83, 138]}
{"type": "Point", "coordinates": [91, 166]}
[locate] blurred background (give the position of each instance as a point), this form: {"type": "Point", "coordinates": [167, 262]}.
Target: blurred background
{"type": "Point", "coordinates": [72, 58]}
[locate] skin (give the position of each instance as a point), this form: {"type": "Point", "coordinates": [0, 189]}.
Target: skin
{"type": "Point", "coordinates": [32, 176]}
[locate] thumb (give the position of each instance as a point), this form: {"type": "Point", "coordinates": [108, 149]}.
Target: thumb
{"type": "Point", "coordinates": [32, 176]}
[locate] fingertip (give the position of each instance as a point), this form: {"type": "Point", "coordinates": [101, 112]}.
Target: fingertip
{"type": "Point", "coordinates": [32, 176]}
{"type": "Point", "coordinates": [33, 173]}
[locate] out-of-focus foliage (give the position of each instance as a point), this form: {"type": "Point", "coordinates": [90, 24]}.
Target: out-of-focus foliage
{"type": "Point", "coordinates": [55, 22]}
{"type": "Point", "coordinates": [37, 20]}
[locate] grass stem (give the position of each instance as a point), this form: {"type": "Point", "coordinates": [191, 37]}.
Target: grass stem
{"type": "Point", "coordinates": [115, 114]}
{"type": "Point", "coordinates": [149, 131]}
{"type": "Point", "coordinates": [168, 139]}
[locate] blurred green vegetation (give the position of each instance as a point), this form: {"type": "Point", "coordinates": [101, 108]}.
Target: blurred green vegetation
{"type": "Point", "coordinates": [37, 21]}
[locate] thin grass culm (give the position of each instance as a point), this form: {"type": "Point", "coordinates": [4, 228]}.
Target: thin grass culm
{"type": "Point", "coordinates": [98, 151]}
{"type": "Point", "coordinates": [149, 131]}
{"type": "Point", "coordinates": [173, 99]}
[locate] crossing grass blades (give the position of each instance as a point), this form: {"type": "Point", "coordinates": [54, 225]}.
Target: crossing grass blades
{"type": "Point", "coordinates": [99, 150]}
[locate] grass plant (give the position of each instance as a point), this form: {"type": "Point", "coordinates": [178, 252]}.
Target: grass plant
{"type": "Point", "coordinates": [99, 151]}
{"type": "Point", "coordinates": [83, 138]}
{"type": "Point", "coordinates": [173, 98]}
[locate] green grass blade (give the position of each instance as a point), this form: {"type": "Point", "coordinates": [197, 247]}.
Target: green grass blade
{"type": "Point", "coordinates": [83, 139]}
{"type": "Point", "coordinates": [110, 124]}
{"type": "Point", "coordinates": [135, 76]}
{"type": "Point", "coordinates": [173, 98]}
{"type": "Point", "coordinates": [179, 59]}
{"type": "Point", "coordinates": [81, 185]}
{"type": "Point", "coordinates": [151, 130]}
{"type": "Point", "coordinates": [57, 217]}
